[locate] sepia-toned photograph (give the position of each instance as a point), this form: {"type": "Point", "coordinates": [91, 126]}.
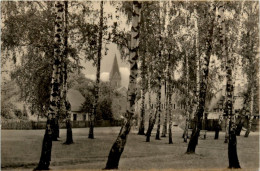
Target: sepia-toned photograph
{"type": "Point", "coordinates": [130, 85]}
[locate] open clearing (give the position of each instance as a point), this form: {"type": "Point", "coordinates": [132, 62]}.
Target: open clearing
{"type": "Point", "coordinates": [21, 150]}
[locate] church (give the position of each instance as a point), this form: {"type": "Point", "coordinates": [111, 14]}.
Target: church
{"type": "Point", "coordinates": [115, 77]}
{"type": "Point", "coordinates": [118, 99]}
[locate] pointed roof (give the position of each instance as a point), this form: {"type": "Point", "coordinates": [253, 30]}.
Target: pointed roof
{"type": "Point", "coordinates": [76, 100]}
{"type": "Point", "coordinates": [115, 69]}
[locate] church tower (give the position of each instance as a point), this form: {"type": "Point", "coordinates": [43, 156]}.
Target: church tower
{"type": "Point", "coordinates": [115, 77]}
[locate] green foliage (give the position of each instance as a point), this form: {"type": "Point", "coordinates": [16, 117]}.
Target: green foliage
{"type": "Point", "coordinates": [104, 109]}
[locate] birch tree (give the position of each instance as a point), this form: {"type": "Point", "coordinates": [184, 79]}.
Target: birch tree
{"type": "Point", "coordinates": [99, 56]}
{"type": "Point", "coordinates": [208, 11]}
{"type": "Point", "coordinates": [118, 147]}
{"type": "Point", "coordinates": [55, 84]}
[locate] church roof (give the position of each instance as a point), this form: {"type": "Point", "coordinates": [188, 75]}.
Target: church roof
{"type": "Point", "coordinates": [114, 70]}
{"type": "Point", "coordinates": [76, 100]}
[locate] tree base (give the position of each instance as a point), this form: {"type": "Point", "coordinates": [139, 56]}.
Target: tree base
{"type": "Point", "coordinates": [193, 141]}
{"type": "Point", "coordinates": [232, 151]}
{"type": "Point", "coordinates": [216, 134]}
{"type": "Point", "coordinates": [91, 137]}
{"type": "Point", "coordinates": [246, 134]}
{"type": "Point", "coordinates": [68, 143]}
{"type": "Point", "coordinates": [140, 133]}
{"type": "Point", "coordinates": [40, 168]}
{"type": "Point", "coordinates": [190, 152]}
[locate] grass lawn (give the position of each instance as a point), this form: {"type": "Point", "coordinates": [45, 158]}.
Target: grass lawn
{"type": "Point", "coordinates": [21, 150]}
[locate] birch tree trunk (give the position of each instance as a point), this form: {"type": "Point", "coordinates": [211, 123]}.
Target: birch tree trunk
{"type": "Point", "coordinates": [196, 99]}
{"type": "Point", "coordinates": [99, 55]}
{"type": "Point", "coordinates": [149, 101]}
{"type": "Point", "coordinates": [66, 103]}
{"type": "Point", "coordinates": [203, 85]}
{"type": "Point", "coordinates": [232, 143]}
{"type": "Point", "coordinates": [252, 81]}
{"type": "Point", "coordinates": [158, 101]}
{"type": "Point", "coordinates": [152, 117]}
{"type": "Point", "coordinates": [250, 116]}
{"type": "Point", "coordinates": [166, 83]}
{"type": "Point", "coordinates": [185, 134]}
{"type": "Point", "coordinates": [142, 118]}
{"type": "Point", "coordinates": [45, 158]}
{"type": "Point", "coordinates": [164, 131]}
{"type": "Point", "coordinates": [158, 108]}
{"type": "Point", "coordinates": [118, 146]}
{"type": "Point", "coordinates": [169, 99]}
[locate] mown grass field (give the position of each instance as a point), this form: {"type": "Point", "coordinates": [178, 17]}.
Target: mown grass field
{"type": "Point", "coordinates": [20, 149]}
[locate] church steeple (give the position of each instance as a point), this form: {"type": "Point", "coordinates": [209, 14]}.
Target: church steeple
{"type": "Point", "coordinates": [115, 77]}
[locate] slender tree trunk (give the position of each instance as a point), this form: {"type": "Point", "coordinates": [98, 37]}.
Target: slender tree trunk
{"type": "Point", "coordinates": [253, 82]}
{"type": "Point", "coordinates": [164, 131]}
{"type": "Point", "coordinates": [218, 127]}
{"type": "Point", "coordinates": [185, 134]}
{"type": "Point", "coordinates": [142, 118]}
{"type": "Point", "coordinates": [203, 87]}
{"type": "Point", "coordinates": [157, 137]}
{"type": "Point", "coordinates": [196, 99]}
{"type": "Point", "coordinates": [250, 116]}
{"type": "Point", "coordinates": [118, 146]}
{"type": "Point", "coordinates": [149, 101]}
{"type": "Point", "coordinates": [226, 122]}
{"type": "Point", "coordinates": [69, 139]}
{"type": "Point", "coordinates": [166, 106]}
{"type": "Point", "coordinates": [158, 108]}
{"type": "Point", "coordinates": [45, 159]}
{"type": "Point", "coordinates": [170, 118]}
{"type": "Point", "coordinates": [99, 55]}
{"type": "Point", "coordinates": [169, 99]}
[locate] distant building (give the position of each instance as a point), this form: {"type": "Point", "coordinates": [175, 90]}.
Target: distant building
{"type": "Point", "coordinates": [177, 106]}
{"type": "Point", "coordinates": [115, 77]}
{"type": "Point", "coordinates": [76, 101]}
{"type": "Point", "coordinates": [215, 106]}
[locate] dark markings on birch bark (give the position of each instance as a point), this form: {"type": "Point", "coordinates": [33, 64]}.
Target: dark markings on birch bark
{"type": "Point", "coordinates": [94, 111]}
{"type": "Point", "coordinates": [118, 146]}
{"type": "Point", "coordinates": [69, 138]}
{"type": "Point", "coordinates": [203, 86]}
{"type": "Point", "coordinates": [232, 143]}
{"type": "Point", "coordinates": [45, 158]}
